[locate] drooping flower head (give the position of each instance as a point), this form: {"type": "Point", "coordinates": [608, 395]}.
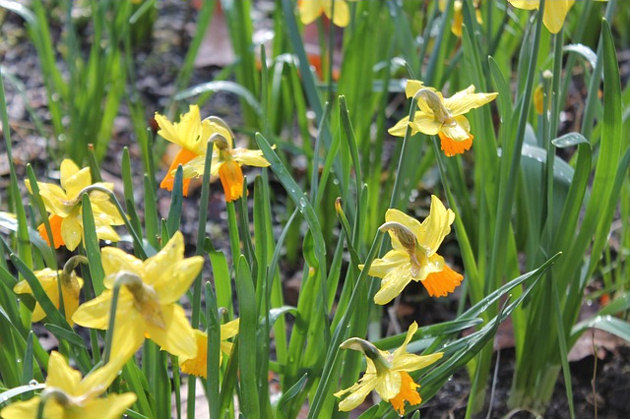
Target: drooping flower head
{"type": "Point", "coordinates": [147, 300]}
{"type": "Point", "coordinates": [458, 15]}
{"type": "Point", "coordinates": [66, 395]}
{"type": "Point", "coordinates": [71, 285]}
{"type": "Point", "coordinates": [192, 134]}
{"type": "Point", "coordinates": [64, 205]}
{"type": "Point", "coordinates": [442, 117]}
{"type": "Point", "coordinates": [387, 373]}
{"type": "Point", "coordinates": [199, 365]}
{"type": "Point", "coordinates": [414, 257]}
{"type": "Point", "coordinates": [226, 161]}
{"type": "Point", "coordinates": [312, 9]}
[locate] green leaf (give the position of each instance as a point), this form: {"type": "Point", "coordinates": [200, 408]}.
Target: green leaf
{"type": "Point", "coordinates": [221, 86]}
{"type": "Point", "coordinates": [92, 249]}
{"type": "Point", "coordinates": [583, 51]}
{"type": "Point", "coordinates": [247, 334]}
{"type": "Point", "coordinates": [175, 209]}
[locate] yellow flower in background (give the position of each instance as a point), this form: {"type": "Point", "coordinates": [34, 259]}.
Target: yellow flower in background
{"type": "Point", "coordinates": [458, 15]}
{"type": "Point", "coordinates": [312, 9]}
{"type": "Point", "coordinates": [387, 373]}
{"type": "Point", "coordinates": [199, 365]}
{"type": "Point", "coordinates": [192, 134]}
{"type": "Point", "coordinates": [70, 288]}
{"type": "Point", "coordinates": [414, 257]}
{"type": "Point", "coordinates": [554, 14]}
{"type": "Point", "coordinates": [68, 396]}
{"type": "Point", "coordinates": [226, 161]}
{"type": "Point", "coordinates": [147, 300]}
{"type": "Point", "coordinates": [64, 205]}
{"type": "Point", "coordinates": [442, 117]}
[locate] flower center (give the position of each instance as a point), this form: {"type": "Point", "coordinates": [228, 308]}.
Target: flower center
{"type": "Point", "coordinates": [407, 393]}
{"type": "Point", "coordinates": [146, 301]}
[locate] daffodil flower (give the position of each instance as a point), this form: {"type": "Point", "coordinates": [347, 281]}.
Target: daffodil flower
{"type": "Point", "coordinates": [442, 117]}
{"type": "Point", "coordinates": [312, 9]}
{"type": "Point", "coordinates": [458, 15]}
{"type": "Point", "coordinates": [147, 300]}
{"type": "Point", "coordinates": [66, 395]}
{"type": "Point", "coordinates": [192, 134]}
{"type": "Point", "coordinates": [554, 14]}
{"type": "Point", "coordinates": [199, 365]}
{"type": "Point", "coordinates": [226, 161]}
{"type": "Point", "coordinates": [64, 205]}
{"type": "Point", "coordinates": [414, 257]}
{"type": "Point", "coordinates": [70, 287]}
{"type": "Point", "coordinates": [387, 373]}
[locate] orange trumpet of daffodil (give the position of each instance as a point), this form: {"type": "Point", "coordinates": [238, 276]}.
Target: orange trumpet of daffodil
{"type": "Point", "coordinates": [71, 285]}
{"type": "Point", "coordinates": [442, 117]}
{"type": "Point", "coordinates": [414, 257]}
{"type": "Point", "coordinates": [387, 373]}
{"type": "Point", "coordinates": [199, 365]}
{"type": "Point", "coordinates": [312, 9]}
{"type": "Point", "coordinates": [147, 300]}
{"type": "Point", "coordinates": [64, 205]}
{"type": "Point", "coordinates": [66, 395]}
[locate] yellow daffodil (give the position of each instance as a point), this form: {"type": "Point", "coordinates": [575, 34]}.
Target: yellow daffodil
{"type": "Point", "coordinates": [387, 373]}
{"type": "Point", "coordinates": [226, 161]}
{"type": "Point", "coordinates": [312, 9]}
{"type": "Point", "coordinates": [414, 256]}
{"type": "Point", "coordinates": [458, 15]}
{"type": "Point", "coordinates": [70, 287]}
{"type": "Point", "coordinates": [64, 205]}
{"type": "Point", "coordinates": [554, 14]}
{"type": "Point", "coordinates": [442, 117]}
{"type": "Point", "coordinates": [199, 365]}
{"type": "Point", "coordinates": [66, 395]}
{"type": "Point", "coordinates": [147, 300]}
{"type": "Point", "coordinates": [192, 134]}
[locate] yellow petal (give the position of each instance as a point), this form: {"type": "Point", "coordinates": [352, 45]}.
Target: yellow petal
{"type": "Point", "coordinates": [177, 337]}
{"type": "Point", "coordinates": [393, 258]}
{"type": "Point", "coordinates": [403, 348]}
{"type": "Point", "coordinates": [53, 196]}
{"type": "Point", "coordinates": [309, 10]}
{"type": "Point", "coordinates": [110, 407]}
{"type": "Point", "coordinates": [358, 393]}
{"type": "Point", "coordinates": [72, 230]}
{"type": "Point", "coordinates": [555, 13]}
{"type": "Point", "coordinates": [106, 232]}
{"type": "Point", "coordinates": [393, 283]}
{"type": "Point", "coordinates": [170, 254]}
{"type": "Point", "coordinates": [249, 157]}
{"type": "Point", "coordinates": [525, 4]}
{"type": "Point", "coordinates": [60, 374]}
{"type": "Point", "coordinates": [28, 409]}
{"type": "Point", "coordinates": [129, 332]}
{"type": "Point", "coordinates": [388, 385]}
{"type": "Point", "coordinates": [95, 313]}
{"type": "Point", "coordinates": [170, 288]}
{"type": "Point", "coordinates": [230, 329]}
{"type": "Point", "coordinates": [465, 100]}
{"type": "Point", "coordinates": [341, 13]}
{"type": "Point", "coordinates": [436, 226]}
{"type": "Point", "coordinates": [74, 180]}
{"type": "Point", "coordinates": [412, 87]}
{"type": "Point", "coordinates": [98, 380]}
{"type": "Point", "coordinates": [115, 260]}
{"type": "Point", "coordinates": [412, 362]}
{"type": "Point", "coordinates": [425, 123]}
